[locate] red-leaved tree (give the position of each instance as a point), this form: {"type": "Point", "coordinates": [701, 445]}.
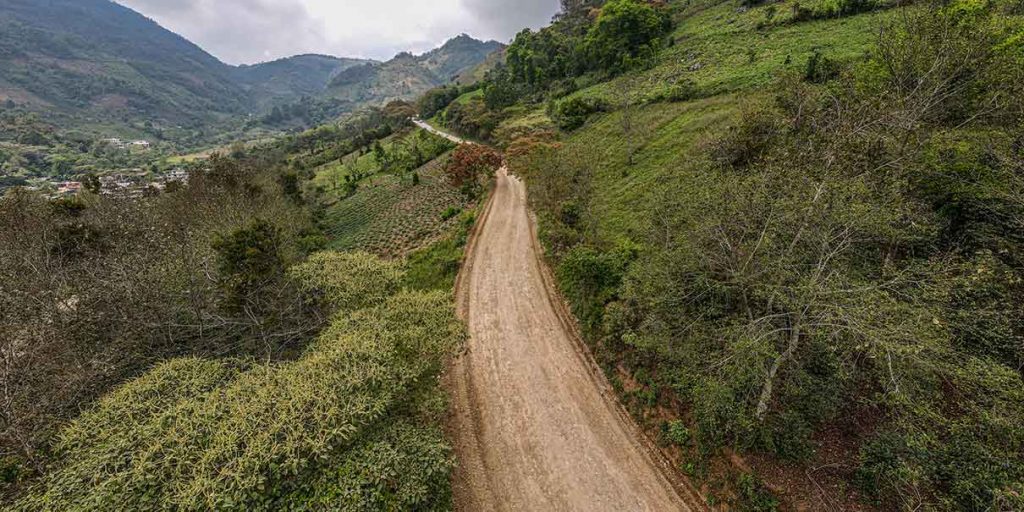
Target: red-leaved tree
{"type": "Point", "coordinates": [470, 166]}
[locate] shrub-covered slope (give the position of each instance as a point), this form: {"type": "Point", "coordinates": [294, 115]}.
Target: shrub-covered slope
{"type": "Point", "coordinates": [350, 425]}
{"type": "Point", "coordinates": [794, 228]}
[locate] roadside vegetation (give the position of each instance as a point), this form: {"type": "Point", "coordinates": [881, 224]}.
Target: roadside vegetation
{"type": "Point", "coordinates": [793, 229]}
{"type": "Point", "coordinates": [351, 424]}
{"type": "Point", "coordinates": [205, 348]}
{"type": "Point", "coordinates": [791, 233]}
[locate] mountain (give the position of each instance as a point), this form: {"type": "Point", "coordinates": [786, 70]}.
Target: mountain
{"type": "Point", "coordinates": [458, 55]}
{"type": "Point", "coordinates": [100, 66]}
{"type": "Point", "coordinates": [97, 60]}
{"type": "Point", "coordinates": [288, 80]}
{"type": "Point", "coordinates": [407, 76]}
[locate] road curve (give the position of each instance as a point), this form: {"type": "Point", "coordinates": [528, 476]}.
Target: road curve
{"type": "Point", "coordinates": [534, 425]}
{"type": "Point", "coordinates": [426, 126]}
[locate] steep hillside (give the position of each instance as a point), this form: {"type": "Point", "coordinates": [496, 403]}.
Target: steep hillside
{"type": "Point", "coordinates": [458, 56]}
{"type": "Point", "coordinates": [790, 233]}
{"type": "Point", "coordinates": [408, 76]}
{"type": "Point", "coordinates": [95, 59]}
{"type": "Point", "coordinates": [289, 79]}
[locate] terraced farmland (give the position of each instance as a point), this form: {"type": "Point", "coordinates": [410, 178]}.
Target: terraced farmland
{"type": "Point", "coordinates": [391, 218]}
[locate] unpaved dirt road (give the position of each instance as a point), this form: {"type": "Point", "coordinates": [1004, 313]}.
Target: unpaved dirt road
{"type": "Point", "coordinates": [536, 427]}
{"type": "Point", "coordinates": [426, 126]}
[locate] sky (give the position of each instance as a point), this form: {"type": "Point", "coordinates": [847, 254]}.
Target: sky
{"type": "Point", "coordinates": [251, 31]}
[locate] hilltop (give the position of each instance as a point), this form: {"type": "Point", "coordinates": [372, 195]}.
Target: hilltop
{"type": "Point", "coordinates": [289, 79]}
{"type": "Point", "coordinates": [408, 76]}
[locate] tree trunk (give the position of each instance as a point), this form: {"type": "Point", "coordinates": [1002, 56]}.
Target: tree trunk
{"type": "Point", "coordinates": [769, 382]}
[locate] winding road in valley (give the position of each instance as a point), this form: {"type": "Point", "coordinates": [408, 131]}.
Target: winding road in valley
{"type": "Point", "coordinates": [536, 426]}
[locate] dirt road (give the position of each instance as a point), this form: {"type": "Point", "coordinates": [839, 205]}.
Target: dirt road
{"type": "Point", "coordinates": [535, 425]}
{"type": "Point", "coordinates": [426, 126]}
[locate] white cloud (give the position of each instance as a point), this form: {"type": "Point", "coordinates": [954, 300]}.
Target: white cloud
{"type": "Point", "coordinates": [248, 31]}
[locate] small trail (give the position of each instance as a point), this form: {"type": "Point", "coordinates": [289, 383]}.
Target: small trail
{"type": "Point", "coordinates": [535, 425]}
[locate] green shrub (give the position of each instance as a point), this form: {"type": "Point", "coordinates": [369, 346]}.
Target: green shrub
{"type": "Point", "coordinates": [450, 213]}
{"type": "Point", "coordinates": [436, 267]}
{"type": "Point", "coordinates": [625, 33]}
{"type": "Point", "coordinates": [682, 90]}
{"type": "Point", "coordinates": [274, 437]}
{"type": "Point", "coordinates": [675, 432]}
{"type": "Point", "coordinates": [590, 279]}
{"type": "Point", "coordinates": [249, 261]}
{"type": "Point", "coordinates": [820, 68]}
{"type": "Point", "coordinates": [574, 113]}
{"type": "Point", "coordinates": [754, 496]}
{"type": "Point", "coordinates": [347, 281]}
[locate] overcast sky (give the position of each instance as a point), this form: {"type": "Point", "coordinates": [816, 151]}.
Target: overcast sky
{"type": "Point", "coordinates": [250, 31]}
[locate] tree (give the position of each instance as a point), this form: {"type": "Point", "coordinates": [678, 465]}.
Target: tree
{"type": "Point", "coordinates": [249, 260]}
{"type": "Point", "coordinates": [626, 32]}
{"type": "Point", "coordinates": [380, 155]}
{"type": "Point", "coordinates": [470, 165]}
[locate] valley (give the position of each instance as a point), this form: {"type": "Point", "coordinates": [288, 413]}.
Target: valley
{"type": "Point", "coordinates": [750, 255]}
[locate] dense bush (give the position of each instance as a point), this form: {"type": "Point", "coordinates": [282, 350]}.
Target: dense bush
{"type": "Point", "coordinates": [329, 430]}
{"type": "Point", "coordinates": [574, 113]}
{"type": "Point", "coordinates": [96, 290]}
{"type": "Point", "coordinates": [626, 32]}
{"type": "Point", "coordinates": [437, 99]}
{"type": "Point", "coordinates": [472, 119]}
{"type": "Point", "coordinates": [347, 281]}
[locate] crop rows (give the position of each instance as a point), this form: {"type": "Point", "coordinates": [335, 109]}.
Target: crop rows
{"type": "Point", "coordinates": [391, 218]}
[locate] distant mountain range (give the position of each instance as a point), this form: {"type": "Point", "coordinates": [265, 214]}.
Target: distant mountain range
{"type": "Point", "coordinates": [96, 63]}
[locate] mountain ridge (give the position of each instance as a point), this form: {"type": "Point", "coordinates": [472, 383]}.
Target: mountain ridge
{"type": "Point", "coordinates": [98, 65]}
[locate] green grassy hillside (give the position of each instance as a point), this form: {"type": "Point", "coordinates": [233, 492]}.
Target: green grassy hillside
{"type": "Point", "coordinates": [787, 229]}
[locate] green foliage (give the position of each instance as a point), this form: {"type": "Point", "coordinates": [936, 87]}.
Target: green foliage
{"type": "Point", "coordinates": [391, 218]}
{"type": "Point", "coordinates": [435, 100]}
{"type": "Point", "coordinates": [347, 281]}
{"type": "Point", "coordinates": [590, 279]}
{"type": "Point", "coordinates": [450, 213]}
{"type": "Point", "coordinates": [677, 433]}
{"type": "Point", "coordinates": [472, 119]}
{"type": "Point", "coordinates": [848, 248]}
{"type": "Point", "coordinates": [249, 260]}
{"type": "Point", "coordinates": [754, 497]}
{"type": "Point", "coordinates": [331, 429]}
{"type": "Point", "coordinates": [626, 32]}
{"type": "Point", "coordinates": [437, 266]}
{"type": "Point", "coordinates": [820, 68]}
{"type": "Point", "coordinates": [573, 113]}
{"type": "Point", "coordinates": [141, 283]}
